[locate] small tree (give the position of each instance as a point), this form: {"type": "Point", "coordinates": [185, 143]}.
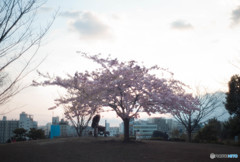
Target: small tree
{"type": "Point", "coordinates": [80, 102]}
{"type": "Point", "coordinates": [20, 134]}
{"type": "Point", "coordinates": [231, 127]}
{"type": "Point", "coordinates": [79, 116]}
{"type": "Point", "coordinates": [208, 105]}
{"type": "Point", "coordinates": [211, 132]}
{"type": "Point", "coordinates": [233, 96]}
{"type": "Point", "coordinates": [36, 134]}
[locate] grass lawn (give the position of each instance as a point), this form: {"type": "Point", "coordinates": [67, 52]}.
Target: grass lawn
{"type": "Point", "coordinates": [112, 150]}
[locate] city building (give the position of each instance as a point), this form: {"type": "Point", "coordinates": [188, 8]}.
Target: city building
{"type": "Point", "coordinates": [55, 120]}
{"type": "Point", "coordinates": [113, 131]}
{"type": "Point", "coordinates": [26, 121]}
{"type": "Point", "coordinates": [131, 123]}
{"type": "Point", "coordinates": [167, 125]}
{"type": "Point", "coordinates": [6, 129]}
{"type": "Point", "coordinates": [172, 124]}
{"type": "Point", "coordinates": [121, 128]}
{"type": "Point", "coordinates": [55, 131]}
{"type": "Point", "coordinates": [160, 122]}
{"type": "Point", "coordinates": [107, 125]}
{"type": "Point", "coordinates": [71, 131]}
{"type": "Point", "coordinates": [143, 129]}
{"type": "Point", "coordinates": [63, 128]}
{"type": "Point", "coordinates": [47, 129]}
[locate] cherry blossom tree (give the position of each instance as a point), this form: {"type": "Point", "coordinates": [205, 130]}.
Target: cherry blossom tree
{"type": "Point", "coordinates": [129, 89]}
{"type": "Point", "coordinates": [80, 101]}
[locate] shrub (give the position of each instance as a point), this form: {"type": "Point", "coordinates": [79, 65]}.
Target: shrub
{"type": "Point", "coordinates": [210, 133]}
{"type": "Point", "coordinates": [160, 135]}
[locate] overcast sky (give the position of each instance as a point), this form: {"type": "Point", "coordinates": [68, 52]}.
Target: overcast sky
{"type": "Point", "coordinates": [197, 40]}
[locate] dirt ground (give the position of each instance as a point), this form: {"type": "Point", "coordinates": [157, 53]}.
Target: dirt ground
{"type": "Point", "coordinates": [111, 150]}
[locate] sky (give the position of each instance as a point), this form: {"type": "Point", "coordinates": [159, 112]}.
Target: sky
{"type": "Point", "coordinates": [197, 40]}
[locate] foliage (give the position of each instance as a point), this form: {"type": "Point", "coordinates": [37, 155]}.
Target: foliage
{"type": "Point", "coordinates": [20, 134]}
{"type": "Point", "coordinates": [36, 134]}
{"type": "Point", "coordinates": [210, 132]}
{"type": "Point", "coordinates": [231, 128]}
{"type": "Point", "coordinates": [233, 96]}
{"type": "Point", "coordinates": [127, 88]}
{"type": "Point", "coordinates": [175, 133]}
{"type": "Point", "coordinates": [162, 135]}
{"type": "Point", "coordinates": [80, 103]}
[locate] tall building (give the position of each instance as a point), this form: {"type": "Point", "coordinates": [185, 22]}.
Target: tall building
{"type": "Point", "coordinates": [113, 131]}
{"type": "Point", "coordinates": [107, 126]}
{"type": "Point", "coordinates": [7, 128]}
{"type": "Point", "coordinates": [172, 124]}
{"type": "Point", "coordinates": [160, 122]}
{"type": "Point", "coordinates": [26, 121]}
{"type": "Point", "coordinates": [55, 120]}
{"type": "Point", "coordinates": [60, 129]}
{"type": "Point", "coordinates": [55, 131]}
{"type": "Point", "coordinates": [63, 128]}
{"type": "Point", "coordinates": [55, 128]}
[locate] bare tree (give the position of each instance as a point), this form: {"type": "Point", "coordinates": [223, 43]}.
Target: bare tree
{"type": "Point", "coordinates": [20, 39]}
{"type": "Point", "coordinates": [209, 104]}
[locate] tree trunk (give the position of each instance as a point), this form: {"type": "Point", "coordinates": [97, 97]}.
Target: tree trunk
{"type": "Point", "coordinates": [189, 129]}
{"type": "Point", "coordinates": [126, 130]}
{"type": "Point", "coordinates": [80, 132]}
{"type": "Point", "coordinates": [189, 136]}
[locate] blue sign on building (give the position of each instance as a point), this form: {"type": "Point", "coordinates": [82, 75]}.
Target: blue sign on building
{"type": "Point", "coordinates": [55, 131]}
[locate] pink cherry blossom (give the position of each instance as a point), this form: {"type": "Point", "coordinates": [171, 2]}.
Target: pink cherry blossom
{"type": "Point", "coordinates": [126, 87]}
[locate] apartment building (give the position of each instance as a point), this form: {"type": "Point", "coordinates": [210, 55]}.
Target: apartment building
{"type": "Point", "coordinates": [6, 129]}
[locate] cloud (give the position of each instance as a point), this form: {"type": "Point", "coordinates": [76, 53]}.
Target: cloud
{"type": "Point", "coordinates": [72, 14]}
{"type": "Point", "coordinates": [45, 9]}
{"type": "Point", "coordinates": [236, 16]}
{"type": "Point", "coordinates": [181, 25]}
{"type": "Point", "coordinates": [88, 25]}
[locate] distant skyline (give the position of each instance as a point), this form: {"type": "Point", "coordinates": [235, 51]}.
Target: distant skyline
{"type": "Point", "coordinates": [197, 40]}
